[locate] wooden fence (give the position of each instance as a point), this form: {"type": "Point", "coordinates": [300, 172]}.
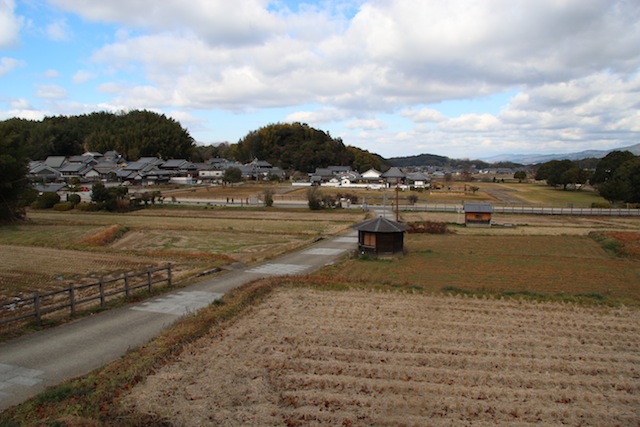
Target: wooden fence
{"type": "Point", "coordinates": [43, 303]}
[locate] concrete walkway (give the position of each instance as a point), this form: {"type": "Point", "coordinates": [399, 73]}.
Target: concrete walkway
{"type": "Point", "coordinates": [30, 364]}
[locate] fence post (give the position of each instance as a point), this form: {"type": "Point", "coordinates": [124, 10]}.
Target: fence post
{"type": "Point", "coordinates": [101, 291]}
{"type": "Point", "coordinates": [126, 284]}
{"type": "Point", "coordinates": [149, 279]}
{"type": "Point", "coordinates": [169, 275]}
{"type": "Point", "coordinates": [36, 307]}
{"type": "Point", "coordinates": [72, 299]}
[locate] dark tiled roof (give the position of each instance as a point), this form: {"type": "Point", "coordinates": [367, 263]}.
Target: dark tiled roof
{"type": "Point", "coordinates": [393, 173]}
{"type": "Point", "coordinates": [380, 225]}
{"type": "Point", "coordinates": [478, 207]}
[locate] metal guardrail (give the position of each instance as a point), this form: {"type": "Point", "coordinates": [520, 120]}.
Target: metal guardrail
{"type": "Point", "coordinates": [535, 210]}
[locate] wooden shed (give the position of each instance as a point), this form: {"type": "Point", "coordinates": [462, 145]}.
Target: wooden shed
{"type": "Point", "coordinates": [477, 214]}
{"type": "Point", "coordinates": [380, 236]}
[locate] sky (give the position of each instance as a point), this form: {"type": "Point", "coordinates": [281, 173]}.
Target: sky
{"type": "Point", "coordinates": [458, 78]}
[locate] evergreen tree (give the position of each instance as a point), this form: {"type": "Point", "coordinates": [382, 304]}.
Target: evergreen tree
{"type": "Point", "coordinates": [13, 171]}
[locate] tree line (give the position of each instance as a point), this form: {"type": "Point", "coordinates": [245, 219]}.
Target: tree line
{"type": "Point", "coordinates": [133, 135]}
{"type": "Point", "coordinates": [616, 176]}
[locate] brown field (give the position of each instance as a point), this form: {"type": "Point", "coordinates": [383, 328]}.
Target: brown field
{"type": "Point", "coordinates": [547, 265]}
{"type": "Point", "coordinates": [355, 358]}
{"type": "Point", "coordinates": [49, 269]}
{"type": "Point", "coordinates": [557, 225]}
{"type": "Point", "coordinates": [54, 249]}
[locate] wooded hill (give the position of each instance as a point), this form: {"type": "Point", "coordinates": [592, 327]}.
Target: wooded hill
{"type": "Point", "coordinates": [302, 148]}
{"type": "Point", "coordinates": [133, 135]}
{"type": "Point", "coordinates": [293, 147]}
{"type": "Point", "coordinates": [422, 160]}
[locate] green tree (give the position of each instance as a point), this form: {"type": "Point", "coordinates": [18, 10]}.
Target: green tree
{"type": "Point", "coordinates": [363, 160]}
{"type": "Point", "coordinates": [110, 199]}
{"type": "Point", "coordinates": [232, 175]}
{"type": "Point", "coordinates": [46, 200]}
{"type": "Point", "coordinates": [608, 165]}
{"type": "Point", "coordinates": [314, 198]}
{"type": "Point", "coordinates": [553, 171]}
{"type": "Point", "coordinates": [268, 197]}
{"type": "Point", "coordinates": [292, 146]}
{"type": "Point", "coordinates": [574, 176]}
{"type": "Point", "coordinates": [520, 176]}
{"type": "Point", "coordinates": [624, 185]}
{"type": "Point", "coordinates": [13, 171]}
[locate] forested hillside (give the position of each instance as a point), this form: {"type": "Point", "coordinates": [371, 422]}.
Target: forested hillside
{"type": "Point", "coordinates": [296, 146]}
{"type": "Point", "coordinates": [133, 135]}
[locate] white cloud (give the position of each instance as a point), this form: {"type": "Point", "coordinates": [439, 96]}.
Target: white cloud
{"type": "Point", "coordinates": [574, 62]}
{"type": "Point", "coordinates": [471, 123]}
{"type": "Point", "coordinates": [319, 117]}
{"type": "Point", "coordinates": [59, 31]}
{"type": "Point", "coordinates": [19, 104]}
{"type": "Point", "coordinates": [10, 24]}
{"type": "Point", "coordinates": [9, 64]}
{"type": "Point", "coordinates": [241, 22]}
{"type": "Point", "coordinates": [82, 76]}
{"type": "Point", "coordinates": [50, 92]}
{"type": "Point", "coordinates": [423, 115]}
{"type": "Point", "coordinates": [366, 124]}
{"type": "Point", "coordinates": [51, 74]}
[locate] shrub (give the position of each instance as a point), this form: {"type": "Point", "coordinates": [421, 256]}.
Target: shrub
{"type": "Point", "coordinates": [428, 227]}
{"type": "Point", "coordinates": [314, 196]}
{"type": "Point", "coordinates": [46, 200]}
{"type": "Point", "coordinates": [600, 205]}
{"type": "Point", "coordinates": [63, 206]}
{"type": "Point", "coordinates": [27, 197]}
{"type": "Point", "coordinates": [74, 198]}
{"type": "Point", "coordinates": [87, 207]}
{"type": "Point", "coordinates": [268, 198]}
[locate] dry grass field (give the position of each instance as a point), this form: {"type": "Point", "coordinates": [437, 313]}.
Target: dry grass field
{"type": "Point", "coordinates": [54, 249]}
{"type": "Point", "coordinates": [358, 358]}
{"type": "Point", "coordinates": [391, 350]}
{"type": "Point", "coordinates": [545, 265]}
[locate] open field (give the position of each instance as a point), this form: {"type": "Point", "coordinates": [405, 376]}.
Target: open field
{"type": "Point", "coordinates": [308, 357]}
{"type": "Point", "coordinates": [546, 265]}
{"type": "Point", "coordinates": [54, 249]}
{"type": "Point", "coordinates": [499, 192]}
{"type": "Point", "coordinates": [522, 224]}
{"type": "Point", "coordinates": [388, 348]}
{"type": "Point", "coordinates": [541, 194]}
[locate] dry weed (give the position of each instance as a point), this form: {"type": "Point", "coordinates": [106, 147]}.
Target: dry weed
{"type": "Point", "coordinates": [308, 357]}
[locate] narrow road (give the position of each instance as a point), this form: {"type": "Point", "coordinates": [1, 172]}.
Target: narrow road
{"type": "Point", "coordinates": [30, 364]}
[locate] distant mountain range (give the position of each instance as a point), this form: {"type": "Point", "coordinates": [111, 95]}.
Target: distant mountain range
{"type": "Point", "coordinates": [530, 159]}
{"type": "Point", "coordinates": [504, 159]}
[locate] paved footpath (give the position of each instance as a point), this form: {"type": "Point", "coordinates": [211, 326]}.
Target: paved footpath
{"type": "Point", "coordinates": [30, 364]}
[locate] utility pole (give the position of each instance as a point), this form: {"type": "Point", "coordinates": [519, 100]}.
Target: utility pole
{"type": "Point", "coordinates": [397, 205]}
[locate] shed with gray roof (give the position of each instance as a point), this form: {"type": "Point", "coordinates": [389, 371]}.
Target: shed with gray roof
{"type": "Point", "coordinates": [380, 236]}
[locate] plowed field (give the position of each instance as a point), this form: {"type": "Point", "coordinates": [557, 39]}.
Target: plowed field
{"type": "Point", "coordinates": [306, 357]}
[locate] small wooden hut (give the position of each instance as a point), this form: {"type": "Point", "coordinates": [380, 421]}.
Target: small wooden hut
{"type": "Point", "coordinates": [477, 214]}
{"type": "Point", "coordinates": [380, 236]}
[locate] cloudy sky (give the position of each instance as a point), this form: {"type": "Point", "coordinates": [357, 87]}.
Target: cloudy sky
{"type": "Point", "coordinates": [461, 78]}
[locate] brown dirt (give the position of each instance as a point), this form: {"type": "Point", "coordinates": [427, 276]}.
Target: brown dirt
{"type": "Point", "coordinates": [306, 357]}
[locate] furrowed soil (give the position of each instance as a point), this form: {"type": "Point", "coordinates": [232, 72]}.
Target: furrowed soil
{"type": "Point", "coordinates": [311, 357]}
